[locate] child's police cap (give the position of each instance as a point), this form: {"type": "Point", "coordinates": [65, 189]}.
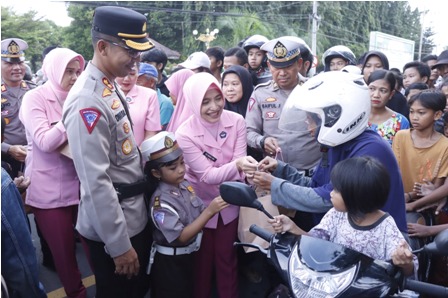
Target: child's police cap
{"type": "Point", "coordinates": [123, 23]}
{"type": "Point", "coordinates": [161, 148]}
{"type": "Point", "coordinates": [282, 51]}
{"type": "Point", "coordinates": [12, 50]}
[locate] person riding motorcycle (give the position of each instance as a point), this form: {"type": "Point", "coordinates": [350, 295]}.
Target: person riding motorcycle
{"type": "Point", "coordinates": [336, 106]}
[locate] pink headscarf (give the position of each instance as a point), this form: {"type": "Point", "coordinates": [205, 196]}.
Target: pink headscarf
{"type": "Point", "coordinates": [54, 66]}
{"type": "Point", "coordinates": [194, 91]}
{"type": "Point", "coordinates": [175, 84]}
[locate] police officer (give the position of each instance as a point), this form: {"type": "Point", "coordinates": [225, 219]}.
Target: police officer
{"type": "Point", "coordinates": [112, 215]}
{"type": "Point", "coordinates": [266, 104]}
{"type": "Point", "coordinates": [13, 89]}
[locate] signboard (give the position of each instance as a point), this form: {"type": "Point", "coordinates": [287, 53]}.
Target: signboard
{"type": "Point", "coordinates": [398, 51]}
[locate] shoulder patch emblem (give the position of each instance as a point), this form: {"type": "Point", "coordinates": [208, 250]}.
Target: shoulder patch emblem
{"type": "Point", "coordinates": [251, 103]}
{"type": "Point", "coordinates": [126, 147]}
{"type": "Point", "coordinates": [90, 117]}
{"type": "Point", "coordinates": [6, 121]}
{"type": "Point", "coordinates": [159, 217]}
{"type": "Point", "coordinates": [115, 104]}
{"type": "Point", "coordinates": [106, 92]}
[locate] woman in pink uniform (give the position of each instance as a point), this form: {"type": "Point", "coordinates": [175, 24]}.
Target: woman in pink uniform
{"type": "Point", "coordinates": [214, 144]}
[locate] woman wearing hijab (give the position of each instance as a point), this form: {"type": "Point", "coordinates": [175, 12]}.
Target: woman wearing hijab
{"type": "Point", "coordinates": [175, 84]}
{"type": "Point", "coordinates": [54, 190]}
{"type": "Point", "coordinates": [237, 88]}
{"type": "Point", "coordinates": [214, 144]}
{"type": "Point", "coordinates": [377, 60]}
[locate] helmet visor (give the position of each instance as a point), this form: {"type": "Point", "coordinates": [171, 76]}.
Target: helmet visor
{"type": "Point", "coordinates": [294, 119]}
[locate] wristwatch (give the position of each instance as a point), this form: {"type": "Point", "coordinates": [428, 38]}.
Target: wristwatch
{"type": "Point", "coordinates": [262, 143]}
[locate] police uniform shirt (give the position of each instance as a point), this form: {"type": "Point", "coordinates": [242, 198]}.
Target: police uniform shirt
{"type": "Point", "coordinates": [104, 152]}
{"type": "Point", "coordinates": [11, 102]}
{"type": "Point", "coordinates": [173, 208]}
{"type": "Point", "coordinates": [300, 150]}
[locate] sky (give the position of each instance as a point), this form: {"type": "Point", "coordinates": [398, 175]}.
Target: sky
{"type": "Point", "coordinates": [436, 16]}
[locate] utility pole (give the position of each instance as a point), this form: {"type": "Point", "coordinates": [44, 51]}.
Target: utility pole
{"type": "Point", "coordinates": [314, 28]}
{"type": "Point", "coordinates": [420, 46]}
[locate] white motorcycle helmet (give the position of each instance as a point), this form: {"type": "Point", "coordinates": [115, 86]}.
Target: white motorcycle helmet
{"type": "Point", "coordinates": [335, 105]}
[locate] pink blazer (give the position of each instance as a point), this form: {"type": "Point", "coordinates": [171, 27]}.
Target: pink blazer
{"type": "Point", "coordinates": [211, 162]}
{"type": "Point", "coordinates": [54, 182]}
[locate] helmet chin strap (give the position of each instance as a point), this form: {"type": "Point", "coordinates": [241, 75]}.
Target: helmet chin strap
{"type": "Point", "coordinates": [324, 161]}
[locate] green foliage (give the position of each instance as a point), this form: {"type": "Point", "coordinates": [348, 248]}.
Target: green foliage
{"type": "Point", "coordinates": [172, 23]}
{"type": "Point", "coordinates": [39, 34]}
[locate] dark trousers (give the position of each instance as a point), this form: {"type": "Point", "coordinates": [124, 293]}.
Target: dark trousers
{"type": "Point", "coordinates": [172, 276]}
{"type": "Point", "coordinates": [111, 285]}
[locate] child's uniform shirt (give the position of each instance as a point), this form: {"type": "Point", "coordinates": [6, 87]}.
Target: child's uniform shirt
{"type": "Point", "coordinates": [377, 241]}
{"type": "Point", "coordinates": [417, 164]}
{"type": "Point", "coordinates": [172, 209]}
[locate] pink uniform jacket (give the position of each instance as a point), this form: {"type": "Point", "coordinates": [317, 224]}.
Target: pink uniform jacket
{"type": "Point", "coordinates": [145, 112]}
{"type": "Point", "coordinates": [211, 161]}
{"type": "Point", "coordinates": [54, 182]}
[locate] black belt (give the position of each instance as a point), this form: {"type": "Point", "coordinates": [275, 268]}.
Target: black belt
{"type": "Point", "coordinates": [129, 190]}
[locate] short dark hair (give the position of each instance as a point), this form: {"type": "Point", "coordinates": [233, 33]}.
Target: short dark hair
{"type": "Point", "coordinates": [429, 58]}
{"type": "Point", "coordinates": [430, 99]}
{"type": "Point", "coordinates": [415, 86]}
{"type": "Point", "coordinates": [382, 74]}
{"type": "Point", "coordinates": [398, 77]}
{"type": "Point", "coordinates": [155, 55]}
{"type": "Point", "coordinates": [363, 183]}
{"type": "Point", "coordinates": [216, 52]}
{"type": "Point", "coordinates": [422, 68]}
{"type": "Point", "coordinates": [239, 53]}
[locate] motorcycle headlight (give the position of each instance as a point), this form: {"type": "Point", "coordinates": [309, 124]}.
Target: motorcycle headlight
{"type": "Point", "coordinates": [309, 283]}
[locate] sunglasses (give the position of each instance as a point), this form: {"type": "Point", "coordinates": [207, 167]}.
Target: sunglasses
{"type": "Point", "coordinates": [131, 52]}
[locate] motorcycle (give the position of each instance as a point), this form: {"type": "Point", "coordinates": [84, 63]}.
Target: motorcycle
{"type": "Point", "coordinates": [313, 267]}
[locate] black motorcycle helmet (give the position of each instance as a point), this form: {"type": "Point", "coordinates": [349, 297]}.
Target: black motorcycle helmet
{"type": "Point", "coordinates": [340, 52]}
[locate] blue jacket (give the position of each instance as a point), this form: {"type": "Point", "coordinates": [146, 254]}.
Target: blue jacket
{"type": "Point", "coordinates": [19, 262]}
{"type": "Point", "coordinates": [300, 191]}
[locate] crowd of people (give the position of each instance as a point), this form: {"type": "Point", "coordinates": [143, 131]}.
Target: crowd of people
{"type": "Point", "coordinates": [127, 159]}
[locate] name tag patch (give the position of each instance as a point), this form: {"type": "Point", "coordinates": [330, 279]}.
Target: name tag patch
{"type": "Point", "coordinates": [209, 156]}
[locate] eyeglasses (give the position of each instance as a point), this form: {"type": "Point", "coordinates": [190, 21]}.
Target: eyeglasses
{"type": "Point", "coordinates": [131, 52]}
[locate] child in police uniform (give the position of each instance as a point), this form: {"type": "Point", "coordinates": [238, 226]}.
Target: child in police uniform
{"type": "Point", "coordinates": [177, 216]}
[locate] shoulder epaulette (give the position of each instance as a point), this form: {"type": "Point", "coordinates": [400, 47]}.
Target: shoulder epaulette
{"type": "Point", "coordinates": [263, 85]}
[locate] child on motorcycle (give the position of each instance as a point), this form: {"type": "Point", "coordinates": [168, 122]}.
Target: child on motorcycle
{"type": "Point", "coordinates": [360, 189]}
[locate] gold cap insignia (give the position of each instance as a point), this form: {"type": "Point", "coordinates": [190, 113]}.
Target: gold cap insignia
{"type": "Point", "coordinates": [168, 142]}
{"type": "Point", "coordinates": [280, 50]}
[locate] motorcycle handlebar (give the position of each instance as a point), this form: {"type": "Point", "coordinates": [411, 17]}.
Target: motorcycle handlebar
{"type": "Point", "coordinates": [426, 288]}
{"type": "Point", "coordinates": [260, 232]}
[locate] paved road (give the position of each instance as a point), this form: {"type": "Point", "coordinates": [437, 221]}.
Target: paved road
{"type": "Point", "coordinates": [53, 287]}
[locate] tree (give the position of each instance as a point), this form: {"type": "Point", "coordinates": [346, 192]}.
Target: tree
{"type": "Point", "coordinates": [39, 34]}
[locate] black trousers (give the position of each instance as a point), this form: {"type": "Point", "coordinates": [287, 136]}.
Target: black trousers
{"type": "Point", "coordinates": [172, 276]}
{"type": "Point", "coordinates": [111, 285]}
